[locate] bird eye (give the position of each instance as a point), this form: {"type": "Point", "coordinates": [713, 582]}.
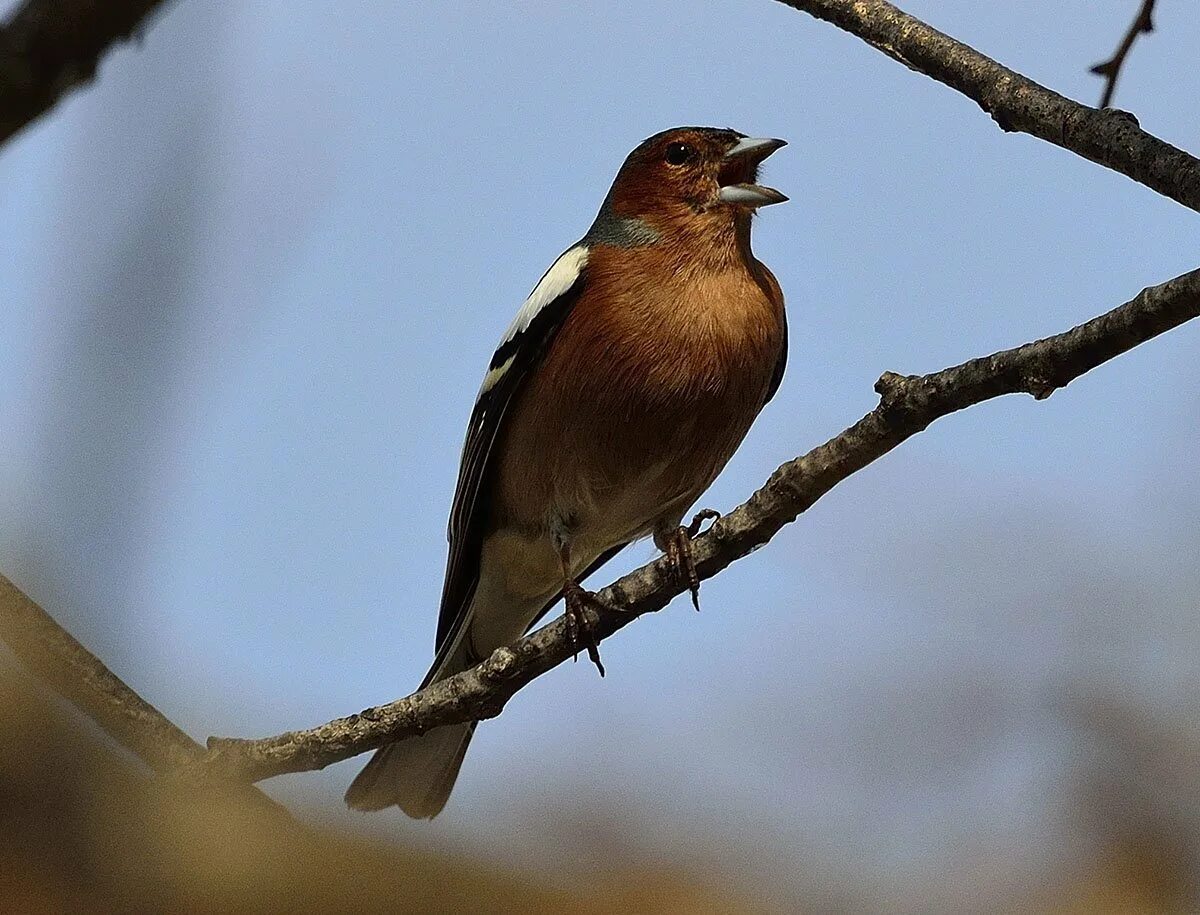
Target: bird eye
{"type": "Point", "coordinates": [679, 153]}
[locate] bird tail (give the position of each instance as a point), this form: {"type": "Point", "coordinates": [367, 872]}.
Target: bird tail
{"type": "Point", "coordinates": [416, 774]}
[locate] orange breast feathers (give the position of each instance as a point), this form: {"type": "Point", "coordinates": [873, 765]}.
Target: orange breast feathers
{"type": "Point", "coordinates": [660, 368]}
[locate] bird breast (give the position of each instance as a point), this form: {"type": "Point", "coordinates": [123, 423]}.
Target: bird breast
{"type": "Point", "coordinates": [645, 393]}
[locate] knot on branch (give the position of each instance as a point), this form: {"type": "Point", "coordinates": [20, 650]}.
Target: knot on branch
{"type": "Point", "coordinates": [909, 402]}
{"type": "Point", "coordinates": [1003, 119]}
{"type": "Point", "coordinates": [1039, 385]}
{"type": "Point", "coordinates": [996, 100]}
{"type": "Point", "coordinates": [891, 386]}
{"type": "Point", "coordinates": [1120, 114]}
{"type": "Point", "coordinates": [899, 394]}
{"type": "Point", "coordinates": [499, 665]}
{"type": "Point", "coordinates": [1041, 377]}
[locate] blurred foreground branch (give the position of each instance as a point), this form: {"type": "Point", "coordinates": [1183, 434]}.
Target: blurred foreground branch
{"type": "Point", "coordinates": [62, 663]}
{"type": "Point", "coordinates": [82, 830]}
{"type": "Point", "coordinates": [48, 47]}
{"type": "Point", "coordinates": [1109, 137]}
{"type": "Point", "coordinates": [908, 404]}
{"type": "Point", "coordinates": [54, 655]}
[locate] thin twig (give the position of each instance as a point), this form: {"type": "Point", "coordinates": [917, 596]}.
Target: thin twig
{"type": "Point", "coordinates": [1110, 69]}
{"type": "Point", "coordinates": [1109, 137]}
{"type": "Point", "coordinates": [908, 404]}
{"type": "Point", "coordinates": [48, 47]}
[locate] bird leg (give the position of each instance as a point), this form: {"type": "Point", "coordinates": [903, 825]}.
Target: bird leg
{"type": "Point", "coordinates": [677, 544]}
{"type": "Point", "coordinates": [577, 599]}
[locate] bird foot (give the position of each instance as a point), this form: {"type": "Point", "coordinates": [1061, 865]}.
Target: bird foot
{"type": "Point", "coordinates": [679, 553]}
{"type": "Point", "coordinates": [579, 626]}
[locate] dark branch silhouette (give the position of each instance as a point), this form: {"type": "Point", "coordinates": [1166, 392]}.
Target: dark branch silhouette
{"type": "Point", "coordinates": [908, 404]}
{"type": "Point", "coordinates": [1143, 23]}
{"type": "Point", "coordinates": [1109, 137]}
{"type": "Point", "coordinates": [48, 47]}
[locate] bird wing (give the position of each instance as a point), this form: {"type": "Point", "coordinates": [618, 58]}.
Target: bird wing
{"type": "Point", "coordinates": [774, 292]}
{"type": "Point", "coordinates": [780, 365]}
{"type": "Point", "coordinates": [518, 355]}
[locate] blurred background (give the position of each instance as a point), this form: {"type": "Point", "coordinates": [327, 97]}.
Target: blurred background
{"type": "Point", "coordinates": [250, 282]}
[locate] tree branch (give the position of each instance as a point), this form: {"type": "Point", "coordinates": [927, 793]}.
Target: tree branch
{"type": "Point", "coordinates": [908, 404]}
{"type": "Point", "coordinates": [48, 47]}
{"type": "Point", "coordinates": [1108, 137]}
{"type": "Point", "coordinates": [53, 655]}
{"type": "Point", "coordinates": [1110, 69]}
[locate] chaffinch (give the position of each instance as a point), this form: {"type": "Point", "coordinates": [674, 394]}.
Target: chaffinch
{"type": "Point", "coordinates": [622, 387]}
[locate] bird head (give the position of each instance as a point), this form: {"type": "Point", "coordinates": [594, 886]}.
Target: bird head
{"type": "Point", "coordinates": [698, 177]}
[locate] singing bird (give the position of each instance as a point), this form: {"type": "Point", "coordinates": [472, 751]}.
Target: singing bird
{"type": "Point", "coordinates": [623, 386]}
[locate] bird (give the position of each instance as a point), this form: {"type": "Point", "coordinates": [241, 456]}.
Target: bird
{"type": "Point", "coordinates": [620, 390]}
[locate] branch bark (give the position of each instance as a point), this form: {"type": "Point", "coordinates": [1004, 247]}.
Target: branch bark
{"type": "Point", "coordinates": [908, 404]}
{"type": "Point", "coordinates": [1108, 137]}
{"type": "Point", "coordinates": [48, 47]}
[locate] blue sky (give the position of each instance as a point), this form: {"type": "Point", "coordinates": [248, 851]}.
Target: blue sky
{"type": "Point", "coordinates": [253, 277]}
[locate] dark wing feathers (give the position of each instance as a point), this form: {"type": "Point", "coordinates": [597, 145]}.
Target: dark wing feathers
{"type": "Point", "coordinates": [512, 363]}
{"type": "Point", "coordinates": [770, 285]}
{"type": "Point", "coordinates": [780, 365]}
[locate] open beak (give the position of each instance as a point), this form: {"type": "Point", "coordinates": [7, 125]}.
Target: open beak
{"type": "Point", "coordinates": [739, 171]}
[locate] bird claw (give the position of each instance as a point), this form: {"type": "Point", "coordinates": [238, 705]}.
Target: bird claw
{"type": "Point", "coordinates": [705, 514]}
{"type": "Point", "coordinates": [679, 553]}
{"type": "Point", "coordinates": [579, 627]}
